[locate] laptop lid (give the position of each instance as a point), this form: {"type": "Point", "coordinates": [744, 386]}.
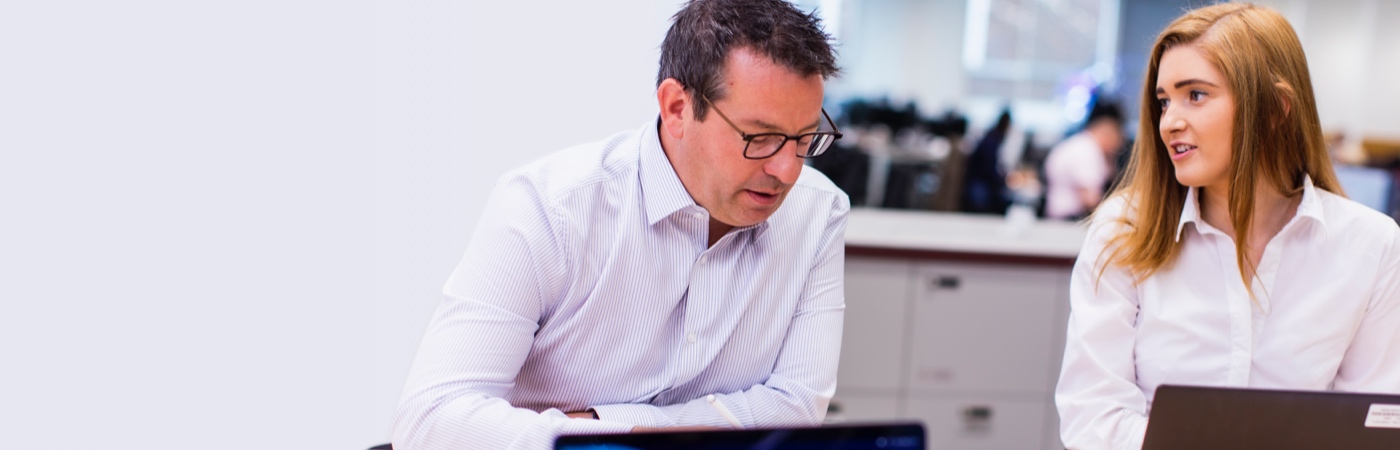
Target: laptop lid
{"type": "Point", "coordinates": [899, 436]}
{"type": "Point", "coordinates": [1190, 417]}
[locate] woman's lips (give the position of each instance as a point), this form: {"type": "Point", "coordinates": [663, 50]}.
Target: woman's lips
{"type": "Point", "coordinates": [1181, 151]}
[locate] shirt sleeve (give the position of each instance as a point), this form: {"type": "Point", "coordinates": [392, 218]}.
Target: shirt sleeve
{"type": "Point", "coordinates": [804, 376]}
{"type": "Point", "coordinates": [1372, 361]}
{"type": "Point", "coordinates": [482, 331]}
{"type": "Point", "coordinates": [1089, 169]}
{"type": "Point", "coordinates": [1099, 402]}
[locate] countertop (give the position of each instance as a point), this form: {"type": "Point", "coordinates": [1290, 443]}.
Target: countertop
{"type": "Point", "coordinates": [942, 235]}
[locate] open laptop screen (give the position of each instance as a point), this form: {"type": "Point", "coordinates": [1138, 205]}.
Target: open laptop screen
{"type": "Point", "coordinates": [903, 436]}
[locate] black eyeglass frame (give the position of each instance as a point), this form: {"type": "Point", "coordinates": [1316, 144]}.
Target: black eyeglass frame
{"type": "Point", "coordinates": [749, 138]}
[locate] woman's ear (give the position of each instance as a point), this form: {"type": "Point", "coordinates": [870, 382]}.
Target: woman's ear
{"type": "Point", "coordinates": [1285, 95]}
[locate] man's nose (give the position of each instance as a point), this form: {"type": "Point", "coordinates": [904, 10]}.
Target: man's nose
{"type": "Point", "coordinates": [785, 165]}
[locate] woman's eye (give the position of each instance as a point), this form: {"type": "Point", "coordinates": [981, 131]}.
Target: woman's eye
{"type": "Point", "coordinates": [1162, 102]}
{"type": "Point", "coordinates": [1197, 95]}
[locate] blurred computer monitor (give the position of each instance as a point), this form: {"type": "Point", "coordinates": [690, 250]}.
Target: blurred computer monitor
{"type": "Point", "coordinates": [1369, 186]}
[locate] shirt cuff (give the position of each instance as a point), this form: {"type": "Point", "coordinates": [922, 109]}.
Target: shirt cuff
{"type": "Point", "coordinates": [1131, 430]}
{"type": "Point", "coordinates": [635, 414]}
{"type": "Point", "coordinates": [590, 426]}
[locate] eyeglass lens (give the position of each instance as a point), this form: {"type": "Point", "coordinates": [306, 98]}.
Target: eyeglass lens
{"type": "Point", "coordinates": [765, 145]}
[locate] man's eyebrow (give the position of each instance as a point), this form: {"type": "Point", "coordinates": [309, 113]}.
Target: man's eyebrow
{"type": "Point", "coordinates": [1187, 82]}
{"type": "Point", "coordinates": [768, 127]}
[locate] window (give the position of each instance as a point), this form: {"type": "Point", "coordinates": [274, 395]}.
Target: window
{"type": "Point", "coordinates": [1035, 49]}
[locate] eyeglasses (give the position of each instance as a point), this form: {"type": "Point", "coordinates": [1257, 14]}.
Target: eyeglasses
{"type": "Point", "coordinates": [764, 145]}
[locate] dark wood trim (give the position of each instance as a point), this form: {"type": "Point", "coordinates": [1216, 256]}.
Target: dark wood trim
{"type": "Point", "coordinates": [998, 258]}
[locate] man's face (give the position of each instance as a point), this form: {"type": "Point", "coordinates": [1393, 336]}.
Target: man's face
{"type": "Point", "coordinates": [760, 96]}
{"type": "Point", "coordinates": [1109, 135]}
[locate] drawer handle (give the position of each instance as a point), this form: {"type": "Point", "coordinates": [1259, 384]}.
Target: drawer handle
{"type": "Point", "coordinates": [977, 414]}
{"type": "Point", "coordinates": [946, 282]}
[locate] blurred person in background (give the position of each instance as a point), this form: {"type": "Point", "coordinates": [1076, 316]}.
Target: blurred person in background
{"type": "Point", "coordinates": [984, 191]}
{"type": "Point", "coordinates": [1078, 170]}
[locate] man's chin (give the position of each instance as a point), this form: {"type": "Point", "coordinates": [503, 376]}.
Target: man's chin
{"type": "Point", "coordinates": [744, 210]}
{"type": "Point", "coordinates": [756, 215]}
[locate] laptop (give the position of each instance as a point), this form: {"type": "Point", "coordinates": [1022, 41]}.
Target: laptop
{"type": "Point", "coordinates": [883, 436]}
{"type": "Point", "coordinates": [1207, 418]}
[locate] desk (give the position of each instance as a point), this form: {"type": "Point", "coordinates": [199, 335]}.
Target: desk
{"type": "Point", "coordinates": [957, 321]}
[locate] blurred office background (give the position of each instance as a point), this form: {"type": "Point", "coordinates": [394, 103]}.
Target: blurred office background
{"type": "Point", "coordinates": [225, 225]}
{"type": "Point", "coordinates": [926, 81]}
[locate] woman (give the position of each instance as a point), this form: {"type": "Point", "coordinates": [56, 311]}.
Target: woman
{"type": "Point", "coordinates": [1229, 256]}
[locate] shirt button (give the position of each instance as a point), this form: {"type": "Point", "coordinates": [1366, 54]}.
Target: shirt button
{"type": "Point", "coordinates": [704, 259]}
{"type": "Point", "coordinates": [690, 338]}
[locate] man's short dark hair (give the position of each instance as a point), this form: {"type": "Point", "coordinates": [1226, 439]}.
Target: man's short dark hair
{"type": "Point", "coordinates": [1104, 109]}
{"type": "Point", "coordinates": [704, 32]}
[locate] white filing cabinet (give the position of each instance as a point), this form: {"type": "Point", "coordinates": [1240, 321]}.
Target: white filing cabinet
{"type": "Point", "coordinates": [873, 341]}
{"type": "Point", "coordinates": [971, 349]}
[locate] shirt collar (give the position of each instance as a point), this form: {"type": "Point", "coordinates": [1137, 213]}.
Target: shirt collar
{"type": "Point", "coordinates": [1310, 207]}
{"type": "Point", "coordinates": [662, 191]}
{"type": "Point", "coordinates": [1190, 212]}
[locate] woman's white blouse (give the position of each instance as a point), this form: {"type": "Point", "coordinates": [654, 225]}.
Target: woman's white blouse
{"type": "Point", "coordinates": [1325, 315]}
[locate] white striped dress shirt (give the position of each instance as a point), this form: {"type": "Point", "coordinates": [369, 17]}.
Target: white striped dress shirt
{"type": "Point", "coordinates": [589, 284]}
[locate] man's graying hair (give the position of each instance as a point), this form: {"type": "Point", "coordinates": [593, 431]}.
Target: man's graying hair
{"type": "Point", "coordinates": [704, 32]}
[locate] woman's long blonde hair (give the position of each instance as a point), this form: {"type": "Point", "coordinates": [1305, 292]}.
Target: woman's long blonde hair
{"type": "Point", "coordinates": [1277, 135]}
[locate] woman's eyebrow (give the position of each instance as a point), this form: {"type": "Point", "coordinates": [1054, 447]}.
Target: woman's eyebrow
{"type": "Point", "coordinates": [1187, 82]}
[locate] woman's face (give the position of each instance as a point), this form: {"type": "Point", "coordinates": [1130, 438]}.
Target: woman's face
{"type": "Point", "coordinates": [1198, 116]}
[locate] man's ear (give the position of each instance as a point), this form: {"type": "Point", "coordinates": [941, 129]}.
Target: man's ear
{"type": "Point", "coordinates": [675, 105]}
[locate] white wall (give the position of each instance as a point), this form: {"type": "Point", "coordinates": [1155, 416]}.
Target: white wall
{"type": "Point", "coordinates": [1353, 50]}
{"type": "Point", "coordinates": [224, 225]}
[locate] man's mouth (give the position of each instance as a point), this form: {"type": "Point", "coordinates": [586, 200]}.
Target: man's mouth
{"type": "Point", "coordinates": [762, 198]}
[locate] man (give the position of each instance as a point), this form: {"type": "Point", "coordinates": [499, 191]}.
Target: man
{"type": "Point", "coordinates": [612, 287]}
{"type": "Point", "coordinates": [1078, 169]}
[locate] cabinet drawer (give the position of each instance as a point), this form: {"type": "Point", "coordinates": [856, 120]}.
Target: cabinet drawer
{"type": "Point", "coordinates": [981, 424]}
{"type": "Point", "coordinates": [863, 407]}
{"type": "Point", "coordinates": [985, 328]}
{"type": "Point", "coordinates": [873, 343]}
